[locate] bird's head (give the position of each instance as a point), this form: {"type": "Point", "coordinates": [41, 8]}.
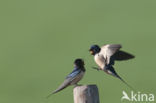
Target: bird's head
{"type": "Point", "coordinates": [79, 63]}
{"type": "Point", "coordinates": [94, 49]}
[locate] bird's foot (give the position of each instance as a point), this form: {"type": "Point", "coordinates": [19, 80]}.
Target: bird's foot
{"type": "Point", "coordinates": [96, 68]}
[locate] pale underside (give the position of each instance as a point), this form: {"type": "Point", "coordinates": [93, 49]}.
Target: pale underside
{"type": "Point", "coordinates": [107, 51]}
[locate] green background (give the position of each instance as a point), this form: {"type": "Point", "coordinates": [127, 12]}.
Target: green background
{"type": "Point", "coordinates": [40, 39]}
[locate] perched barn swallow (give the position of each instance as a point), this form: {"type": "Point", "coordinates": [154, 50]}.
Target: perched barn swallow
{"type": "Point", "coordinates": [105, 58]}
{"type": "Point", "coordinates": [74, 77]}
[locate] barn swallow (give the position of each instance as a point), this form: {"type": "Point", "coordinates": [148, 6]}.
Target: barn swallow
{"type": "Point", "coordinates": [74, 77]}
{"type": "Point", "coordinates": [106, 56]}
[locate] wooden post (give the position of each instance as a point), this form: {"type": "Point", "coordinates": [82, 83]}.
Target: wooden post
{"type": "Point", "coordinates": [86, 94]}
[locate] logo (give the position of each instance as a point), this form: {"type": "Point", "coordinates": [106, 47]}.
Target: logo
{"type": "Point", "coordinates": [137, 96]}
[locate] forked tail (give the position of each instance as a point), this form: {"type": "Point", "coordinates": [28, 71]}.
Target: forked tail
{"type": "Point", "coordinates": [125, 82]}
{"type": "Point", "coordinates": [113, 72]}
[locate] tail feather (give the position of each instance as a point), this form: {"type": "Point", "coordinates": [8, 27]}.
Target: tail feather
{"type": "Point", "coordinates": [125, 82]}
{"type": "Point", "coordinates": [61, 87]}
{"type": "Point", "coordinates": [116, 75]}
{"type": "Point", "coordinates": [57, 90]}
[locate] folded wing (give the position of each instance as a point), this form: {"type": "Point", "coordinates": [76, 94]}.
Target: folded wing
{"type": "Point", "coordinates": [68, 80]}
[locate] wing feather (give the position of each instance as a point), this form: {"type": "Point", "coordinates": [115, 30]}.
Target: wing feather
{"type": "Point", "coordinates": [68, 80]}
{"type": "Point", "coordinates": [63, 85]}
{"type": "Point", "coordinates": [122, 55]}
{"type": "Point", "coordinates": [109, 50]}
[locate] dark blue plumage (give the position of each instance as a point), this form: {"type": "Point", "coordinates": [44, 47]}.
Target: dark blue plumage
{"type": "Point", "coordinates": [74, 73]}
{"type": "Point", "coordinates": [74, 77]}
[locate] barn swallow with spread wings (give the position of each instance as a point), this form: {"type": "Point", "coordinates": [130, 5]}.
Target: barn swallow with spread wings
{"type": "Point", "coordinates": [74, 77]}
{"type": "Point", "coordinates": [106, 56]}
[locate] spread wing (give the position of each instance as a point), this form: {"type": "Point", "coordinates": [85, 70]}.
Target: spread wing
{"type": "Point", "coordinates": [109, 50]}
{"type": "Point", "coordinates": [122, 55]}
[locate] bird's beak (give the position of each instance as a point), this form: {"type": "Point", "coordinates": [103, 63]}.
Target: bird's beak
{"type": "Point", "coordinates": [91, 52]}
